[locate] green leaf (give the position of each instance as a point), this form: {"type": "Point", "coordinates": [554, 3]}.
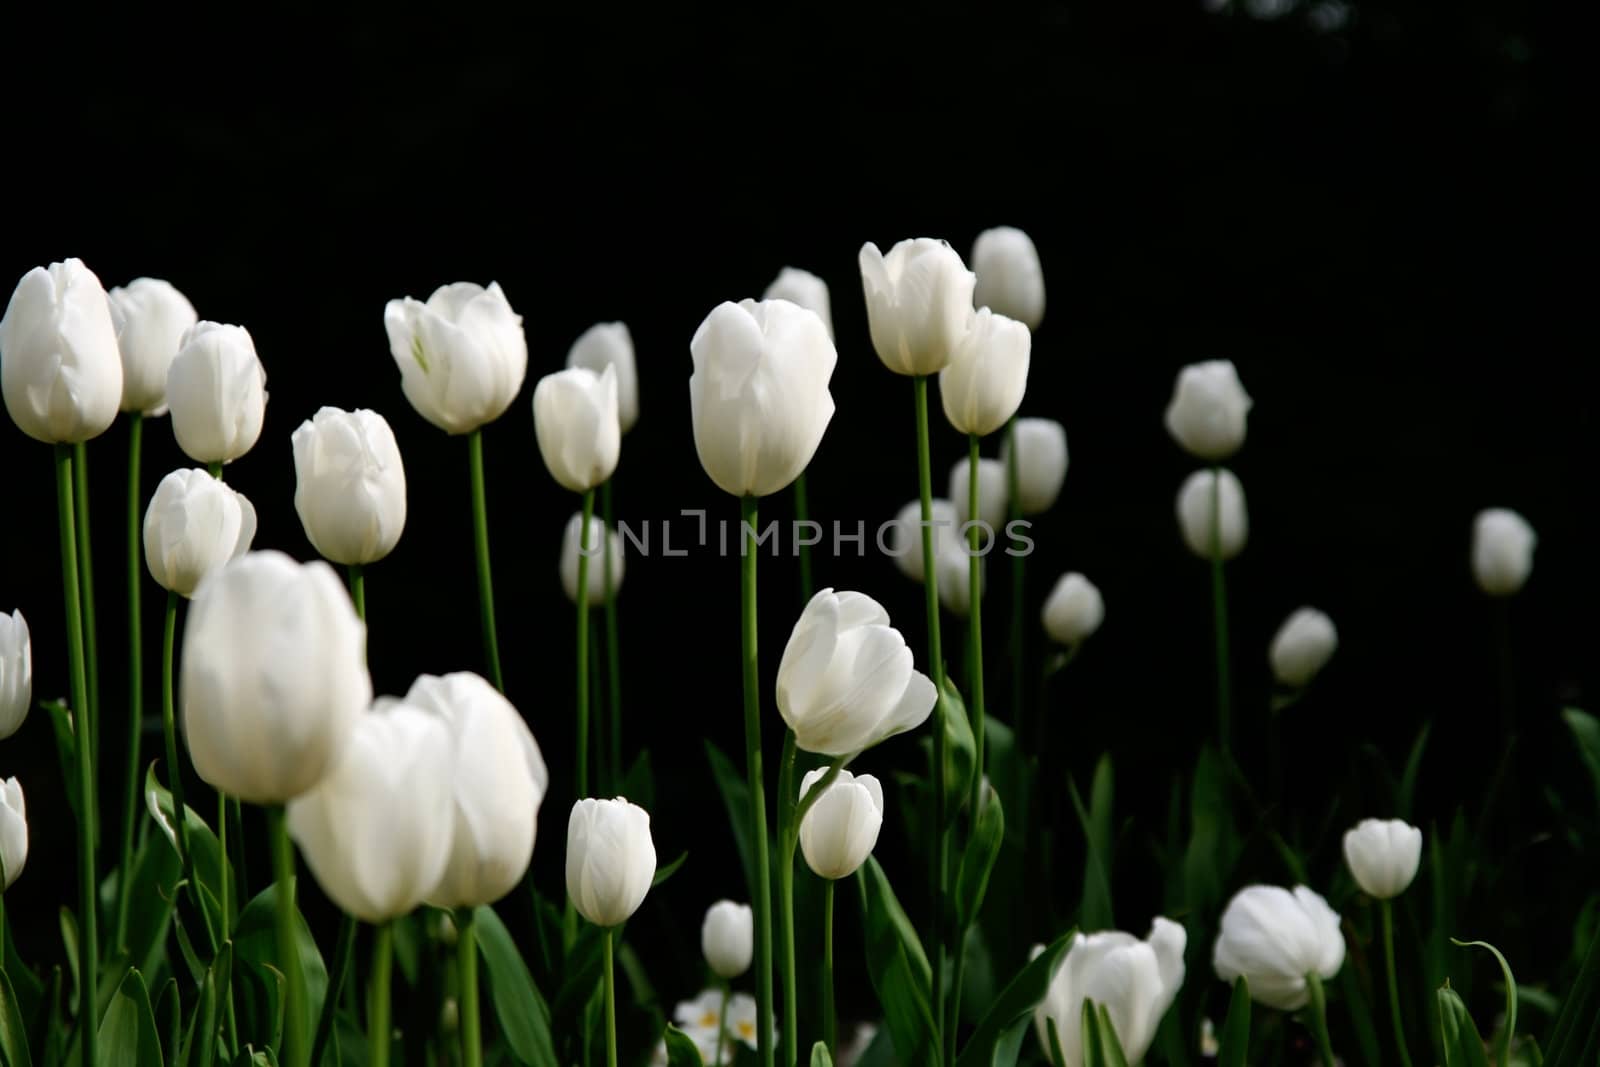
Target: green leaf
{"type": "Point", "coordinates": [819, 1055]}
{"type": "Point", "coordinates": [983, 848]}
{"type": "Point", "coordinates": [13, 1031]}
{"type": "Point", "coordinates": [169, 1017]}
{"type": "Point", "coordinates": [523, 1014]}
{"type": "Point", "coordinates": [663, 873]}
{"type": "Point", "coordinates": [1014, 1005]}
{"type": "Point", "coordinates": [66, 748]}
{"type": "Point", "coordinates": [1462, 1045]}
{"type": "Point", "coordinates": [1101, 1048]}
{"type": "Point", "coordinates": [152, 895]}
{"type": "Point", "coordinates": [209, 863]}
{"type": "Point", "coordinates": [1095, 913]}
{"type": "Point", "coordinates": [1577, 1028]}
{"type": "Point", "coordinates": [897, 966]}
{"type": "Point", "coordinates": [580, 977]}
{"type": "Point", "coordinates": [200, 1043]}
{"type": "Point", "coordinates": [1503, 1052]}
{"type": "Point", "coordinates": [1358, 1010]}
{"type": "Point", "coordinates": [1408, 779]}
{"type": "Point", "coordinates": [735, 794]}
{"type": "Point", "coordinates": [1586, 732]}
{"type": "Point", "coordinates": [128, 1036]}
{"type": "Point", "coordinates": [1057, 1057]}
{"type": "Point", "coordinates": [885, 911]}
{"type": "Point", "coordinates": [1234, 1048]}
{"type": "Point", "coordinates": [255, 947]}
{"type": "Point", "coordinates": [960, 750]}
{"type": "Point", "coordinates": [681, 1049]}
{"type": "Point", "coordinates": [639, 784]}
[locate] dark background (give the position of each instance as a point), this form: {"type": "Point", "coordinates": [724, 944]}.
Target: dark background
{"type": "Point", "coordinates": [1374, 221]}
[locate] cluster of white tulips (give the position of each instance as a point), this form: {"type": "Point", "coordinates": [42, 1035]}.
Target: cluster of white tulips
{"type": "Point", "coordinates": [428, 803]}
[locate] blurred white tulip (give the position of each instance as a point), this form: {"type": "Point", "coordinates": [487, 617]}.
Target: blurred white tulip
{"type": "Point", "coordinates": [1135, 981]}
{"type": "Point", "coordinates": [611, 859]}
{"type": "Point", "coordinates": [1041, 462]}
{"type": "Point", "coordinates": [1010, 280]}
{"type": "Point", "coordinates": [1275, 939]}
{"type": "Point", "coordinates": [1198, 502]}
{"type": "Point", "coordinates": [803, 288]}
{"type": "Point", "coordinates": [609, 344]}
{"type": "Point", "coordinates": [217, 393]}
{"type": "Point", "coordinates": [727, 938]}
{"type": "Point", "coordinates": [1383, 855]}
{"type": "Point", "coordinates": [462, 355]}
{"type": "Point", "coordinates": [195, 523]}
{"type": "Point", "coordinates": [839, 831]}
{"type": "Point", "coordinates": [1207, 413]}
{"type": "Point", "coordinates": [60, 368]}
{"type": "Point", "coordinates": [919, 303]}
{"type": "Point", "coordinates": [982, 386]}
{"type": "Point", "coordinates": [350, 486]}
{"type": "Point", "coordinates": [1502, 551]}
{"type": "Point", "coordinates": [1302, 647]}
{"type": "Point", "coordinates": [13, 830]}
{"type": "Point", "coordinates": [151, 318]}
{"type": "Point", "coordinates": [993, 497]}
{"type": "Point", "coordinates": [16, 673]}
{"type": "Point", "coordinates": [596, 551]}
{"type": "Point", "coordinates": [905, 542]}
{"type": "Point", "coordinates": [1074, 609]}
{"type": "Point", "coordinates": [954, 569]}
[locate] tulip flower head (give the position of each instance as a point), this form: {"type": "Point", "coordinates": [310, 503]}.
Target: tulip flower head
{"type": "Point", "coordinates": [982, 386]}
{"type": "Point", "coordinates": [1206, 493]}
{"type": "Point", "coordinates": [60, 369]}
{"type": "Point", "coordinates": [803, 288]}
{"type": "Point", "coordinates": [350, 486]}
{"type": "Point", "coordinates": [1207, 413]}
{"type": "Point", "coordinates": [575, 421]}
{"type": "Point", "coordinates": [595, 549]}
{"type": "Point", "coordinates": [194, 524]}
{"type": "Point", "coordinates": [1502, 551]}
{"type": "Point", "coordinates": [13, 831]}
{"type": "Point", "coordinates": [839, 831]}
{"type": "Point", "coordinates": [1135, 981]}
{"type": "Point", "coordinates": [727, 938]}
{"type": "Point", "coordinates": [16, 673]}
{"type": "Point", "coordinates": [1009, 278]}
{"type": "Point", "coordinates": [217, 393]}
{"type": "Point", "coordinates": [1302, 647]}
{"type": "Point", "coordinates": [151, 318]}
{"type": "Point", "coordinates": [1041, 462]}
{"type": "Point", "coordinates": [611, 859]}
{"type": "Point", "coordinates": [462, 355]}
{"type": "Point", "coordinates": [906, 542]}
{"type": "Point", "coordinates": [919, 303]}
{"type": "Point", "coordinates": [953, 568]}
{"type": "Point", "coordinates": [1074, 610]}
{"type": "Point", "coordinates": [1383, 855]}
{"type": "Point", "coordinates": [1275, 939]}
{"type": "Point", "coordinates": [609, 344]}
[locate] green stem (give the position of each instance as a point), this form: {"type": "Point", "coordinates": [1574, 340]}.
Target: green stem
{"type": "Point", "coordinates": [930, 582]}
{"type": "Point", "coordinates": [829, 1024]}
{"type": "Point", "coordinates": [762, 875]}
{"type": "Point", "coordinates": [135, 713]}
{"type": "Point", "coordinates": [1219, 607]}
{"type": "Point", "coordinates": [1386, 911]}
{"type": "Point", "coordinates": [241, 869]}
{"type": "Point", "coordinates": [293, 1053]}
{"type": "Point", "coordinates": [467, 976]}
{"type": "Point", "coordinates": [1019, 589]}
{"type": "Point", "coordinates": [788, 835]}
{"type": "Point", "coordinates": [214, 468]}
{"type": "Point", "coordinates": [611, 1001]}
{"type": "Point", "coordinates": [225, 904]}
{"type": "Point", "coordinates": [80, 477]}
{"type": "Point", "coordinates": [1319, 1018]}
{"type": "Point", "coordinates": [344, 951]}
{"type": "Point", "coordinates": [358, 589]}
{"type": "Point", "coordinates": [613, 650]}
{"type": "Point", "coordinates": [88, 926]}
{"type": "Point", "coordinates": [380, 1032]}
{"type": "Point", "coordinates": [802, 515]}
{"type": "Point", "coordinates": [722, 1024]}
{"type": "Point", "coordinates": [480, 544]}
{"type": "Point", "coordinates": [169, 732]}
{"type": "Point", "coordinates": [583, 645]}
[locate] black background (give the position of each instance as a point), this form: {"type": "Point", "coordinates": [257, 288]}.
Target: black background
{"type": "Point", "coordinates": [1373, 222]}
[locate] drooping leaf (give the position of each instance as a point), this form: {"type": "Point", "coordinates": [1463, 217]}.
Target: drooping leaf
{"type": "Point", "coordinates": [1234, 1048]}
{"type": "Point", "coordinates": [522, 1012]}
{"type": "Point", "coordinates": [977, 861]}
{"type": "Point", "coordinates": [1503, 1049]}
{"type": "Point", "coordinates": [1014, 1005]}
{"type": "Point", "coordinates": [128, 1036]}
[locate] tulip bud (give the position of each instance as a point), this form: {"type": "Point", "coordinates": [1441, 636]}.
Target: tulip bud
{"type": "Point", "coordinates": [376, 830]}
{"type": "Point", "coordinates": [846, 681]}
{"type": "Point", "coordinates": [16, 673]}
{"type": "Point", "coordinates": [1383, 855]}
{"type": "Point", "coordinates": [59, 366]}
{"type": "Point", "coordinates": [462, 355]}
{"type": "Point", "coordinates": [1041, 462]}
{"type": "Point", "coordinates": [919, 303]}
{"type": "Point", "coordinates": [982, 386]}
{"type": "Point", "coordinates": [1502, 551]}
{"type": "Point", "coordinates": [906, 543]}
{"type": "Point", "coordinates": [727, 938]}
{"type": "Point", "coordinates": [1010, 280]}
{"type": "Point", "coordinates": [13, 830]}
{"type": "Point", "coordinates": [1275, 938]}
{"type": "Point", "coordinates": [1303, 646]}
{"type": "Point", "coordinates": [759, 396]}
{"type": "Point", "coordinates": [350, 486]}
{"type": "Point", "coordinates": [274, 676]}
{"type": "Point", "coordinates": [575, 421]}
{"type": "Point", "coordinates": [1135, 981]}
{"type": "Point", "coordinates": [151, 318]}
{"type": "Point", "coordinates": [803, 288]}
{"type": "Point", "coordinates": [1201, 491]}
{"type": "Point", "coordinates": [993, 498]}
{"type": "Point", "coordinates": [1074, 610]}
{"type": "Point", "coordinates": [609, 344]}
{"type": "Point", "coordinates": [954, 570]}
{"type": "Point", "coordinates": [611, 860]}
{"type": "Point", "coordinates": [499, 782]}
{"type": "Point", "coordinates": [194, 525]}
{"type": "Point", "coordinates": [216, 389]}
{"type": "Point", "coordinates": [838, 832]}
{"type": "Point", "coordinates": [594, 548]}
{"type": "Point", "coordinates": [1207, 413]}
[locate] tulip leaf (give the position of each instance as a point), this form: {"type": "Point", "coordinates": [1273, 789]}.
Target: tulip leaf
{"type": "Point", "coordinates": [681, 1049]}
{"type": "Point", "coordinates": [13, 1031]}
{"type": "Point", "coordinates": [1578, 1026]}
{"type": "Point", "coordinates": [960, 750]}
{"type": "Point", "coordinates": [1057, 1057]}
{"type": "Point", "coordinates": [580, 977]}
{"type": "Point", "coordinates": [1101, 1048]}
{"type": "Point", "coordinates": [200, 1044]}
{"type": "Point", "coordinates": [1408, 778]}
{"type": "Point", "coordinates": [1585, 731]}
{"type": "Point", "coordinates": [128, 1036]}
{"type": "Point", "coordinates": [1358, 1009]}
{"type": "Point", "coordinates": [210, 865]}
{"type": "Point", "coordinates": [523, 1014]}
{"type": "Point", "coordinates": [897, 965]}
{"type": "Point", "coordinates": [169, 1018]}
{"type": "Point", "coordinates": [820, 1056]}
{"type": "Point", "coordinates": [639, 784]}
{"type": "Point", "coordinates": [1503, 1053]}
{"type": "Point", "coordinates": [663, 873]}
{"type": "Point", "coordinates": [1095, 912]}
{"type": "Point", "coordinates": [1014, 1004]}
{"type": "Point", "coordinates": [983, 847]}
{"type": "Point", "coordinates": [735, 792]}
{"type": "Point", "coordinates": [255, 946]}
{"type": "Point", "coordinates": [1234, 1050]}
{"type": "Point", "coordinates": [1462, 1045]}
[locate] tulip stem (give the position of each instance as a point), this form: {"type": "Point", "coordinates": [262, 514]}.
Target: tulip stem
{"type": "Point", "coordinates": [130, 792]}
{"type": "Point", "coordinates": [613, 653]}
{"type": "Point", "coordinates": [930, 583]}
{"type": "Point", "coordinates": [467, 976]}
{"type": "Point", "coordinates": [829, 1024]}
{"type": "Point", "coordinates": [358, 589]}
{"type": "Point", "coordinates": [91, 710]}
{"type": "Point", "coordinates": [223, 904]}
{"type": "Point", "coordinates": [802, 517]}
{"type": "Point", "coordinates": [88, 929]}
{"type": "Point", "coordinates": [1219, 608]}
{"type": "Point", "coordinates": [583, 644]}
{"type": "Point", "coordinates": [788, 825]}
{"type": "Point", "coordinates": [380, 1032]}
{"type": "Point", "coordinates": [722, 1024]}
{"type": "Point", "coordinates": [1019, 587]}
{"type": "Point", "coordinates": [293, 1052]}
{"type": "Point", "coordinates": [1319, 1018]}
{"type": "Point", "coordinates": [762, 874]}
{"type": "Point", "coordinates": [611, 1001]}
{"type": "Point", "coordinates": [343, 952]}
{"type": "Point", "coordinates": [1386, 912]}
{"type": "Point", "coordinates": [169, 731]}
{"type": "Point", "coordinates": [480, 543]}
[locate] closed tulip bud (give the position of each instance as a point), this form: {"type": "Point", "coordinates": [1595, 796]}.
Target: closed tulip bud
{"type": "Point", "coordinates": [759, 396]}
{"type": "Point", "coordinates": [1383, 855]}
{"type": "Point", "coordinates": [1275, 939]}
{"type": "Point", "coordinates": [274, 676]}
{"type": "Point", "coordinates": [1010, 280]}
{"type": "Point", "coordinates": [151, 318]}
{"type": "Point", "coordinates": [906, 543]}
{"type": "Point", "coordinates": [499, 783]}
{"type": "Point", "coordinates": [954, 570]}
{"type": "Point", "coordinates": [376, 830]}
{"type": "Point", "coordinates": [594, 548]}
{"type": "Point", "coordinates": [1198, 501]}
{"type": "Point", "coordinates": [846, 681]}
{"type": "Point", "coordinates": [575, 421]}
{"type": "Point", "coordinates": [13, 830]}
{"type": "Point", "coordinates": [350, 486]}
{"type": "Point", "coordinates": [1041, 462]}
{"type": "Point", "coordinates": [1074, 609]}
{"type": "Point", "coordinates": [982, 386]}
{"type": "Point", "coordinates": [1303, 646]}
{"type": "Point", "coordinates": [193, 526]}
{"type": "Point", "coordinates": [919, 303]}
{"type": "Point", "coordinates": [803, 288]}
{"type": "Point", "coordinates": [1207, 413]}
{"type": "Point", "coordinates": [727, 937]}
{"type": "Point", "coordinates": [1502, 551]}
{"type": "Point", "coordinates": [993, 499]}
{"type": "Point", "coordinates": [217, 393]}
{"type": "Point", "coordinates": [462, 355]}
{"type": "Point", "coordinates": [609, 344]}
{"type": "Point", "coordinates": [1135, 981]}
{"type": "Point", "coordinates": [841, 827]}
{"type": "Point", "coordinates": [16, 673]}
{"type": "Point", "coordinates": [611, 860]}
{"type": "Point", "coordinates": [60, 369]}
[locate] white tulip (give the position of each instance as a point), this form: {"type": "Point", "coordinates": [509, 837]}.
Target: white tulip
{"type": "Point", "coordinates": [195, 523]}
{"type": "Point", "coordinates": [217, 393]}
{"type": "Point", "coordinates": [60, 369]}
{"type": "Point", "coordinates": [1135, 981]}
{"type": "Point", "coordinates": [759, 396]}
{"type": "Point", "coordinates": [499, 783]}
{"type": "Point", "coordinates": [609, 344]}
{"type": "Point", "coordinates": [1208, 409]}
{"type": "Point", "coordinates": [993, 497]}
{"type": "Point", "coordinates": [841, 827]}
{"type": "Point", "coordinates": [376, 830]}
{"type": "Point", "coordinates": [13, 830]}
{"type": "Point", "coordinates": [350, 486]}
{"type": "Point", "coordinates": [919, 303]}
{"type": "Point", "coordinates": [803, 288]}
{"type": "Point", "coordinates": [595, 549]}
{"type": "Point", "coordinates": [151, 318]}
{"type": "Point", "coordinates": [1197, 501]}
{"type": "Point", "coordinates": [1010, 280]}
{"type": "Point", "coordinates": [1041, 462]}
{"type": "Point", "coordinates": [274, 676]}
{"type": "Point", "coordinates": [1383, 855]}
{"type": "Point", "coordinates": [954, 569]}
{"type": "Point", "coordinates": [982, 386]}
{"type": "Point", "coordinates": [1502, 551]}
{"type": "Point", "coordinates": [906, 536]}
{"type": "Point", "coordinates": [1302, 647]}
{"type": "Point", "coordinates": [462, 355]}
{"type": "Point", "coordinates": [1275, 939]}
{"type": "Point", "coordinates": [1074, 609]}
{"type": "Point", "coordinates": [611, 859]}
{"type": "Point", "coordinates": [575, 421]}
{"type": "Point", "coordinates": [727, 937]}
{"type": "Point", "coordinates": [16, 673]}
{"type": "Point", "coordinates": [846, 681]}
